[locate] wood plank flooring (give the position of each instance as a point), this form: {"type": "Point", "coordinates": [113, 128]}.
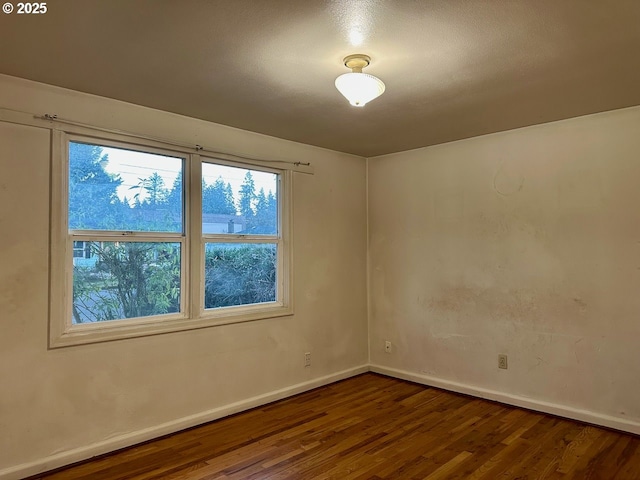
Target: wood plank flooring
{"type": "Point", "coordinates": [375, 427]}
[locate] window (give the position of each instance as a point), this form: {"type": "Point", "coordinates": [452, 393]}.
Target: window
{"type": "Point", "coordinates": [81, 250]}
{"type": "Point", "coordinates": [136, 197]}
{"type": "Point", "coordinates": [147, 240]}
{"type": "Point", "coordinates": [240, 235]}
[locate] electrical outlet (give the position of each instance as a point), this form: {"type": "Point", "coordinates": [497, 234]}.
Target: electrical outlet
{"type": "Point", "coordinates": [502, 361]}
{"type": "Point", "coordinates": [387, 346]}
{"type": "Point", "coordinates": [307, 359]}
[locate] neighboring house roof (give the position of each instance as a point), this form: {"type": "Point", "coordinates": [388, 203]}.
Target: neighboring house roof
{"type": "Point", "coordinates": [220, 218]}
{"type": "Point", "coordinates": [213, 223]}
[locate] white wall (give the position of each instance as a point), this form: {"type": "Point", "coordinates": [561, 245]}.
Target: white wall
{"type": "Point", "coordinates": [58, 406]}
{"type": "Point", "coordinates": [526, 243]}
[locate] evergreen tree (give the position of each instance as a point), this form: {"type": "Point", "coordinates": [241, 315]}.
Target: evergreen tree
{"type": "Point", "coordinates": [228, 195]}
{"type": "Point", "coordinates": [173, 204]}
{"type": "Point", "coordinates": [215, 198]}
{"type": "Point", "coordinates": [155, 189]}
{"type": "Point", "coordinates": [264, 223]}
{"type": "Point", "coordinates": [247, 198]}
{"type": "Point", "coordinates": [151, 207]}
{"type": "Point", "coordinates": [272, 211]}
{"type": "Point", "coordinates": [93, 201]}
{"type": "Point", "coordinates": [175, 196]}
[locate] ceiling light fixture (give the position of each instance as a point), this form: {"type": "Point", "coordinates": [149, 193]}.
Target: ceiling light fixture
{"type": "Point", "coordinates": [357, 87]}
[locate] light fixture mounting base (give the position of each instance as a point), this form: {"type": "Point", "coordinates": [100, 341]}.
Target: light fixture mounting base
{"type": "Point", "coordinates": [357, 61]}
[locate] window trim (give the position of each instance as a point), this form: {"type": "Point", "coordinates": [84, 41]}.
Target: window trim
{"type": "Point", "coordinates": [282, 293]}
{"type": "Point", "coordinates": [193, 315]}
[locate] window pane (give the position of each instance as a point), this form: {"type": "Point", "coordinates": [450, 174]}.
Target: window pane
{"type": "Point", "coordinates": [126, 279]}
{"type": "Point", "coordinates": [118, 189]}
{"type": "Point", "coordinates": [239, 274]}
{"type": "Point", "coordinates": [238, 200]}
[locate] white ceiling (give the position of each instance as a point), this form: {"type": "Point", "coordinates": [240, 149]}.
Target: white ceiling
{"type": "Point", "coordinates": [453, 68]}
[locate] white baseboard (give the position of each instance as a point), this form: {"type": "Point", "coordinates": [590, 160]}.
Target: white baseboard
{"type": "Point", "coordinates": [83, 453]}
{"type": "Point", "coordinates": [587, 416]}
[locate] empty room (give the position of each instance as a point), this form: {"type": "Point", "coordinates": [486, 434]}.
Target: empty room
{"type": "Point", "coordinates": [342, 239]}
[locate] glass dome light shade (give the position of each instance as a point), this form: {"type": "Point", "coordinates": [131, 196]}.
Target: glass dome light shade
{"type": "Point", "coordinates": [359, 88]}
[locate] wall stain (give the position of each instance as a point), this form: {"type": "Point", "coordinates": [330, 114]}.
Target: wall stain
{"type": "Point", "coordinates": [582, 305]}
{"type": "Point", "coordinates": [506, 184]}
{"type": "Point", "coordinates": [506, 304]}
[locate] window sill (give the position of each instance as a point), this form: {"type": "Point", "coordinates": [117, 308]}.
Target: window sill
{"type": "Point", "coordinates": [131, 328]}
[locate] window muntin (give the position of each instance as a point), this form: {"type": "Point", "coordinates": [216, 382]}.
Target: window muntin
{"type": "Point", "coordinates": [76, 252]}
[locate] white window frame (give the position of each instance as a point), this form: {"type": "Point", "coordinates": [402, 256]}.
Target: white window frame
{"type": "Point", "coordinates": [192, 313]}
{"type": "Point", "coordinates": [278, 239]}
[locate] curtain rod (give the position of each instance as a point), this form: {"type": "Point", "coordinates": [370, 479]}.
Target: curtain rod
{"type": "Point", "coordinates": [197, 148]}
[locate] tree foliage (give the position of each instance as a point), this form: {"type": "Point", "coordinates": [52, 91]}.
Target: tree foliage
{"type": "Point", "coordinates": [132, 279]}
{"type": "Point", "coordinates": [247, 197]}
{"type": "Point", "coordinates": [175, 197]}
{"type": "Point", "coordinates": [266, 217]}
{"type": "Point", "coordinates": [153, 186]}
{"type": "Point", "coordinates": [93, 202]}
{"type": "Point", "coordinates": [217, 198]}
{"type": "Point", "coordinates": [239, 274]}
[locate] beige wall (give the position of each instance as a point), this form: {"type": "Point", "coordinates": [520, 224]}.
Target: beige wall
{"type": "Point", "coordinates": [61, 405]}
{"type": "Point", "coordinates": [525, 243]}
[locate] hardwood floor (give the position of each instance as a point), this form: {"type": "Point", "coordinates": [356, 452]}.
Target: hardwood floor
{"type": "Point", "coordinates": [375, 427]}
